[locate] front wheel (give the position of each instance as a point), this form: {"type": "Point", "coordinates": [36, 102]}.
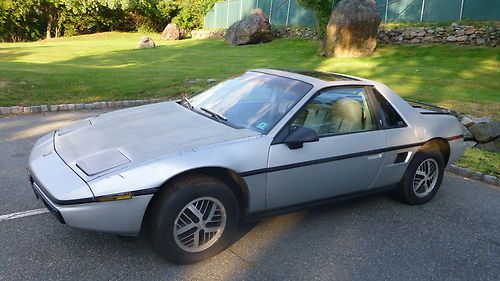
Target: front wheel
{"type": "Point", "coordinates": [422, 178]}
{"type": "Point", "coordinates": [194, 218]}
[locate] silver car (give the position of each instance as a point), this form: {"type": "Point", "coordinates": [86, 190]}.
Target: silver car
{"type": "Point", "coordinates": [265, 142]}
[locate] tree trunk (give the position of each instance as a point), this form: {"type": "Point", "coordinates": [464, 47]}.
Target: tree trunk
{"type": "Point", "coordinates": [49, 27]}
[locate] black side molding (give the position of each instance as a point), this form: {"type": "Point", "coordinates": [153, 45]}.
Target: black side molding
{"type": "Point", "coordinates": [328, 159]}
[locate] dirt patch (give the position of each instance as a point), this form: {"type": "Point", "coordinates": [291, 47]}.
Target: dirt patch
{"type": "Point", "coordinates": [3, 84]}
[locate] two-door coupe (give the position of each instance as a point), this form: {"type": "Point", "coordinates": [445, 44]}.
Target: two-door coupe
{"type": "Point", "coordinates": [265, 142]}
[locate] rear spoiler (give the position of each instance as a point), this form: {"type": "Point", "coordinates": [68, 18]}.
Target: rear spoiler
{"type": "Point", "coordinates": [435, 108]}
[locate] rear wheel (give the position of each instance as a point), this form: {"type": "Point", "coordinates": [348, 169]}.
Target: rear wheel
{"type": "Point", "coordinates": [194, 218]}
{"type": "Point", "coordinates": [422, 178]}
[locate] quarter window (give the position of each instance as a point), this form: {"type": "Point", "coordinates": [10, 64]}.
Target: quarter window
{"type": "Point", "coordinates": [390, 117]}
{"type": "Point", "coordinates": [336, 111]}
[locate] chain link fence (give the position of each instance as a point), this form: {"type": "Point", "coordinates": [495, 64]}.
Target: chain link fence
{"type": "Point", "coordinates": [289, 13]}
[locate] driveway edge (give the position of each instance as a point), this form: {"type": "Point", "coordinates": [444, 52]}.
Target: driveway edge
{"type": "Point", "coordinates": [473, 175]}
{"type": "Point", "coordinates": [21, 110]}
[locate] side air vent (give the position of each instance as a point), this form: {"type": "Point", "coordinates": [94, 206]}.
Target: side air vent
{"type": "Point", "coordinates": [401, 157]}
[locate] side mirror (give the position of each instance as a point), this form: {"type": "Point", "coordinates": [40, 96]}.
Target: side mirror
{"type": "Point", "coordinates": [299, 136]}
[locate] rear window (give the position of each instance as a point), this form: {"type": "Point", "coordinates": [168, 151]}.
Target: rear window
{"type": "Point", "coordinates": [390, 117]}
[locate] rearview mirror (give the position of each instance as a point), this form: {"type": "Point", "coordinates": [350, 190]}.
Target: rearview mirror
{"type": "Point", "coordinates": [299, 136]}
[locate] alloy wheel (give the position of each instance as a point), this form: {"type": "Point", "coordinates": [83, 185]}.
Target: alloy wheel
{"type": "Point", "coordinates": [199, 224]}
{"type": "Point", "coordinates": [425, 177]}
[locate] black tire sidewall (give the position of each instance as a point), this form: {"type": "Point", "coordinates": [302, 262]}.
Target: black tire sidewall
{"type": "Point", "coordinates": [174, 200]}
{"type": "Point", "coordinates": [406, 184]}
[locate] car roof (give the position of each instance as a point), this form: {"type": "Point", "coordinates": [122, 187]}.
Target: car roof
{"type": "Point", "coordinates": [317, 78]}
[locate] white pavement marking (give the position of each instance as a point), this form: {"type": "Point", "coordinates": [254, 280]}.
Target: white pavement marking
{"type": "Point", "coordinates": [23, 214]}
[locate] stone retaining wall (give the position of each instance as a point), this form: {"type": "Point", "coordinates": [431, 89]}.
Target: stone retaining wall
{"type": "Point", "coordinates": [453, 34]}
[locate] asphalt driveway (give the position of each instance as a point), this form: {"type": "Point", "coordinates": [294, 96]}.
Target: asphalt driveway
{"type": "Point", "coordinates": [454, 237]}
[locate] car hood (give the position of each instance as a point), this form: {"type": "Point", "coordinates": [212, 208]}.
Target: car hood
{"type": "Point", "coordinates": [112, 140]}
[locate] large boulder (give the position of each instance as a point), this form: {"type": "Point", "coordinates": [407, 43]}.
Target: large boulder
{"type": "Point", "coordinates": [172, 32]}
{"type": "Point", "coordinates": [251, 30]}
{"type": "Point", "coordinates": [352, 29]}
{"type": "Point", "coordinates": [493, 146]}
{"type": "Point", "coordinates": [146, 42]}
{"type": "Point", "coordinates": [485, 132]}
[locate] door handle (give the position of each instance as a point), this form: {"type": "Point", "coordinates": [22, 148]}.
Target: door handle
{"type": "Point", "coordinates": [375, 156]}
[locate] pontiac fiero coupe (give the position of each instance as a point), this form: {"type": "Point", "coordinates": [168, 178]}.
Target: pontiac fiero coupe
{"type": "Point", "coordinates": [265, 142]}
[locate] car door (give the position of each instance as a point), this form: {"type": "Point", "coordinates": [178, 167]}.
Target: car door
{"type": "Point", "coordinates": [346, 159]}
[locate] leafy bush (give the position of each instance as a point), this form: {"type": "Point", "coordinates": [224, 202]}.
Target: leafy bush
{"type": "Point", "coordinates": [322, 10]}
{"type": "Point", "coordinates": [29, 20]}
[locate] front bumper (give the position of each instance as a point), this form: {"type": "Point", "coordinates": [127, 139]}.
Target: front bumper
{"type": "Point", "coordinates": [70, 199]}
{"type": "Point", "coordinates": [119, 217]}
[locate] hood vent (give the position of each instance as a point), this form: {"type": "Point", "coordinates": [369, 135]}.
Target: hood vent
{"type": "Point", "coordinates": [102, 161]}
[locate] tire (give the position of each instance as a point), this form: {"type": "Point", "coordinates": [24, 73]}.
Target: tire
{"type": "Point", "coordinates": [179, 234]}
{"type": "Point", "coordinates": [415, 187]}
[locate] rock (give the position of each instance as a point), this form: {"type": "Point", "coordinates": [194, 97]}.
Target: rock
{"type": "Point", "coordinates": [470, 30]}
{"type": "Point", "coordinates": [146, 42]}
{"type": "Point", "coordinates": [209, 33]}
{"type": "Point", "coordinates": [493, 146]}
{"type": "Point", "coordinates": [460, 32]}
{"type": "Point", "coordinates": [454, 24]}
{"type": "Point", "coordinates": [35, 109]}
{"type": "Point", "coordinates": [413, 34]}
{"type": "Point", "coordinates": [480, 41]}
{"type": "Point", "coordinates": [467, 134]}
{"type": "Point", "coordinates": [210, 81]}
{"type": "Point", "coordinates": [415, 41]}
{"type": "Point", "coordinates": [440, 29]}
{"type": "Point", "coordinates": [465, 120]}
{"type": "Point", "coordinates": [491, 180]}
{"type": "Point", "coordinates": [428, 38]}
{"type": "Point", "coordinates": [251, 30]}
{"type": "Point", "coordinates": [4, 110]}
{"type": "Point", "coordinates": [462, 38]}
{"type": "Point", "coordinates": [172, 32]}
{"type": "Point", "coordinates": [451, 38]}
{"type": "Point", "coordinates": [352, 29]}
{"type": "Point", "coordinates": [44, 108]}
{"type": "Point", "coordinates": [485, 132]}
{"type": "Point", "coordinates": [421, 34]}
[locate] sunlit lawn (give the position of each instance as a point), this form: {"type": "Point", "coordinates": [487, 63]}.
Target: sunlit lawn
{"type": "Point", "coordinates": [482, 161]}
{"type": "Point", "coordinates": [108, 67]}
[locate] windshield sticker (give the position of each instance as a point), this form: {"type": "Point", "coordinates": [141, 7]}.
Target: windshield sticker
{"type": "Point", "coordinates": [262, 126]}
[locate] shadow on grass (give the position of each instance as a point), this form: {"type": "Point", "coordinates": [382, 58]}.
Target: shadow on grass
{"type": "Point", "coordinates": [464, 78]}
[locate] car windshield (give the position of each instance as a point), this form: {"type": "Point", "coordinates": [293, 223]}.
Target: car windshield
{"type": "Point", "coordinates": [254, 100]}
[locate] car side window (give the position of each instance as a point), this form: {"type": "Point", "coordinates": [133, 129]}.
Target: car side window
{"type": "Point", "coordinates": [390, 117]}
{"type": "Point", "coordinates": [336, 111]}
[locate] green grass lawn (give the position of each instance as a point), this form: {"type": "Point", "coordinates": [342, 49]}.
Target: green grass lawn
{"type": "Point", "coordinates": [481, 161]}
{"type": "Point", "coordinates": [108, 67]}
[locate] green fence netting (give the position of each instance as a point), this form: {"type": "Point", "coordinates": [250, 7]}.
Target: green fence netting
{"type": "Point", "coordinates": [289, 13]}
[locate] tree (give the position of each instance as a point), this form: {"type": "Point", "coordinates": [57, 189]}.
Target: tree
{"type": "Point", "coordinates": [322, 10]}
{"type": "Point", "coordinates": [192, 12]}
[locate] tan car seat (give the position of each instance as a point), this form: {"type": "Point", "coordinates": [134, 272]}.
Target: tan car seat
{"type": "Point", "coordinates": [347, 116]}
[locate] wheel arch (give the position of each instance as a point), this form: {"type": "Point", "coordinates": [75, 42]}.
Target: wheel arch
{"type": "Point", "coordinates": [229, 177]}
{"type": "Point", "coordinates": [440, 145]}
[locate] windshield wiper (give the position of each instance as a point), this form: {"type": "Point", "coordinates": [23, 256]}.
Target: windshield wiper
{"type": "Point", "coordinates": [214, 114]}
{"type": "Point", "coordinates": [187, 102]}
